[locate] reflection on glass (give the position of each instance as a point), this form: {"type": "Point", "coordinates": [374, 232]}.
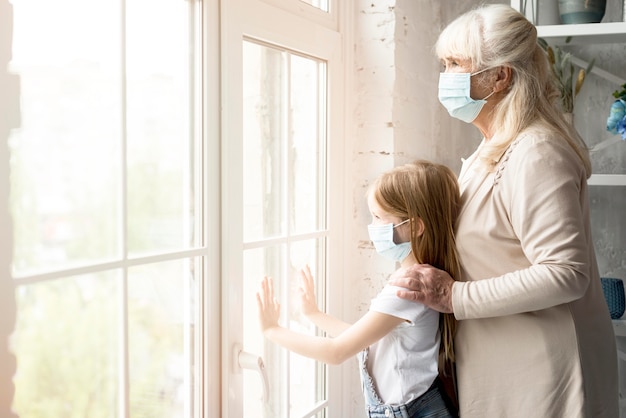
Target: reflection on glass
{"type": "Point", "coordinates": [65, 153]}
{"type": "Point", "coordinates": [160, 327]}
{"type": "Point", "coordinates": [284, 137]}
{"type": "Point", "coordinates": [67, 345]}
{"type": "Point", "coordinates": [158, 125]}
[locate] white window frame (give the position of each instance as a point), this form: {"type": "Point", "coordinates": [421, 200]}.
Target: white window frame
{"type": "Point", "coordinates": [289, 24]}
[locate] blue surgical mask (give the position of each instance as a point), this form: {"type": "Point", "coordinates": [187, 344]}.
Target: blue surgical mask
{"type": "Point", "coordinates": [454, 95]}
{"type": "Point", "coordinates": [382, 237]}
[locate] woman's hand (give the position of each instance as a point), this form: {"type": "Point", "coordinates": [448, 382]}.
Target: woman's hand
{"type": "Point", "coordinates": [426, 284]}
{"type": "Point", "coordinates": [269, 308]}
{"type": "Point", "coordinates": [308, 302]}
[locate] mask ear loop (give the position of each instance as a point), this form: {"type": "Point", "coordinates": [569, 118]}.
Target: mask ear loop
{"type": "Point", "coordinates": [406, 220]}
{"type": "Point", "coordinates": [489, 95]}
{"type": "Point", "coordinates": [481, 71]}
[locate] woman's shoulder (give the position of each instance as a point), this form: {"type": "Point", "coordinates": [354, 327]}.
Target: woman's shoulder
{"type": "Point", "coordinates": [537, 145]}
{"type": "Point", "coordinates": [539, 153]}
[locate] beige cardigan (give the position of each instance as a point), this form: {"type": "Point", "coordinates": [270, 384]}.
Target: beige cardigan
{"type": "Point", "coordinates": [535, 339]}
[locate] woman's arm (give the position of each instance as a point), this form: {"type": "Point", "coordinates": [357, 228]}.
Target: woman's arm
{"type": "Point", "coordinates": [366, 331]}
{"type": "Point", "coordinates": [541, 208]}
{"type": "Point", "coordinates": [425, 284]}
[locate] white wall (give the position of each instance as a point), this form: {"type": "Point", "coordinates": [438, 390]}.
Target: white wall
{"type": "Point", "coordinates": [397, 118]}
{"type": "Point", "coordinates": [9, 102]}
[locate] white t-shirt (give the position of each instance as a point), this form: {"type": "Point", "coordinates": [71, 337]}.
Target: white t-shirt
{"type": "Point", "coordinates": [403, 364]}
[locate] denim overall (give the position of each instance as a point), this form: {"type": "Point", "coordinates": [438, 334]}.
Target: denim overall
{"type": "Point", "coordinates": [429, 405]}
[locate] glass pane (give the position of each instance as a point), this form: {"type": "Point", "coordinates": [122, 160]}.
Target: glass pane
{"type": "Point", "coordinates": [295, 379]}
{"type": "Point", "coordinates": [307, 115]}
{"type": "Point", "coordinates": [258, 263]}
{"type": "Point", "coordinates": [320, 4]}
{"type": "Point", "coordinates": [609, 235]}
{"type": "Point", "coordinates": [161, 308]}
{"type": "Point", "coordinates": [264, 89]}
{"type": "Point", "coordinates": [307, 376]}
{"type": "Point", "coordinates": [67, 345]}
{"type": "Point", "coordinates": [65, 156]}
{"type": "Point", "coordinates": [158, 125]}
{"type": "Point", "coordinates": [278, 136]}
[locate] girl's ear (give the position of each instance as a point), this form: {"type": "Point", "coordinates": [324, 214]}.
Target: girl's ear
{"type": "Point", "coordinates": [419, 226]}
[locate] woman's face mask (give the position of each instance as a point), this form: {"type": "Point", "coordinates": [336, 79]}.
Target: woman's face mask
{"type": "Point", "coordinates": [454, 95]}
{"type": "Point", "coordinates": [382, 237]}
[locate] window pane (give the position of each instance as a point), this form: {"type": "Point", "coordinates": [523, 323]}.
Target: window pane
{"type": "Point", "coordinates": [284, 119]}
{"type": "Point", "coordinates": [258, 263]}
{"type": "Point", "coordinates": [320, 4]}
{"type": "Point", "coordinates": [65, 155]}
{"type": "Point", "coordinates": [67, 345]}
{"type": "Point", "coordinates": [160, 315]}
{"type": "Point", "coordinates": [264, 89]}
{"type": "Point", "coordinates": [159, 118]}
{"type": "Point", "coordinates": [307, 111]}
{"type": "Point", "coordinates": [307, 376]}
{"type": "Point", "coordinates": [298, 379]}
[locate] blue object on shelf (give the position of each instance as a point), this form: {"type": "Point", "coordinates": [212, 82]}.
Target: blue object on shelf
{"type": "Point", "coordinates": [582, 11]}
{"type": "Point", "coordinates": [613, 289]}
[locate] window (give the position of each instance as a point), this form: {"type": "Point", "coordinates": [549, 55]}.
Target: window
{"type": "Point", "coordinates": [170, 154]}
{"type": "Point", "coordinates": [105, 199]}
{"type": "Point", "coordinates": [284, 197]}
{"type": "Point", "coordinates": [282, 146]}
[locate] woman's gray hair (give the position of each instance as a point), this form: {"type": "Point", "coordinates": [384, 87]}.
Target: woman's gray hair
{"type": "Point", "coordinates": [497, 35]}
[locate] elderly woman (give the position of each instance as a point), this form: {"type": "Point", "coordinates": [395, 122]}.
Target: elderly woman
{"type": "Point", "coordinates": [534, 334]}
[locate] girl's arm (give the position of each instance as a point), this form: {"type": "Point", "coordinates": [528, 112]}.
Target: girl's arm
{"type": "Point", "coordinates": [366, 331]}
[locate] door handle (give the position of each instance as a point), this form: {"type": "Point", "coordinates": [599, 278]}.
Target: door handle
{"type": "Point", "coordinates": [251, 361]}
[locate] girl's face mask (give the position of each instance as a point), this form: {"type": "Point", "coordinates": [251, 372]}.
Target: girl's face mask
{"type": "Point", "coordinates": [454, 95]}
{"type": "Point", "coordinates": [382, 237]}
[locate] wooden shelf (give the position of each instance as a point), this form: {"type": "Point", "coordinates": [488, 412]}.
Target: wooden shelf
{"type": "Point", "coordinates": [583, 34]}
{"type": "Point", "coordinates": [607, 180]}
{"type": "Point", "coordinates": [619, 327]}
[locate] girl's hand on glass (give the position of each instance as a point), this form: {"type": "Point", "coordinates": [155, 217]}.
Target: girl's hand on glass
{"type": "Point", "coordinates": [308, 302]}
{"type": "Point", "coordinates": [269, 308]}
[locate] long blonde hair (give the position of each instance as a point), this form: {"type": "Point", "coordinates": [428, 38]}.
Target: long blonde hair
{"type": "Point", "coordinates": [430, 192]}
{"type": "Point", "coordinates": [497, 35]}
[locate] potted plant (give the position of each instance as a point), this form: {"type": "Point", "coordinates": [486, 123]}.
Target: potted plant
{"type": "Point", "coordinates": [616, 122]}
{"type": "Point", "coordinates": [563, 70]}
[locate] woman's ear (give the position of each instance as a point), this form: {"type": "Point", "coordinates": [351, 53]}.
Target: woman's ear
{"type": "Point", "coordinates": [503, 80]}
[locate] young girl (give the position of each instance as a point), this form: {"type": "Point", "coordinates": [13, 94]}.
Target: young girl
{"type": "Point", "coordinates": [414, 208]}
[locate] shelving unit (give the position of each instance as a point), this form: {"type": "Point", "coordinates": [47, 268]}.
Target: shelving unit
{"type": "Point", "coordinates": [588, 34]}
{"type": "Point", "coordinates": [585, 34]}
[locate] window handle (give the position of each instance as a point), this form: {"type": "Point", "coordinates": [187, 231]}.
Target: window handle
{"type": "Point", "coordinates": [251, 361]}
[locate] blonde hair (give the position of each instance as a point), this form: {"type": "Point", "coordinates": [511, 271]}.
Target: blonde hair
{"type": "Point", "coordinates": [497, 35]}
{"type": "Point", "coordinates": [430, 192]}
